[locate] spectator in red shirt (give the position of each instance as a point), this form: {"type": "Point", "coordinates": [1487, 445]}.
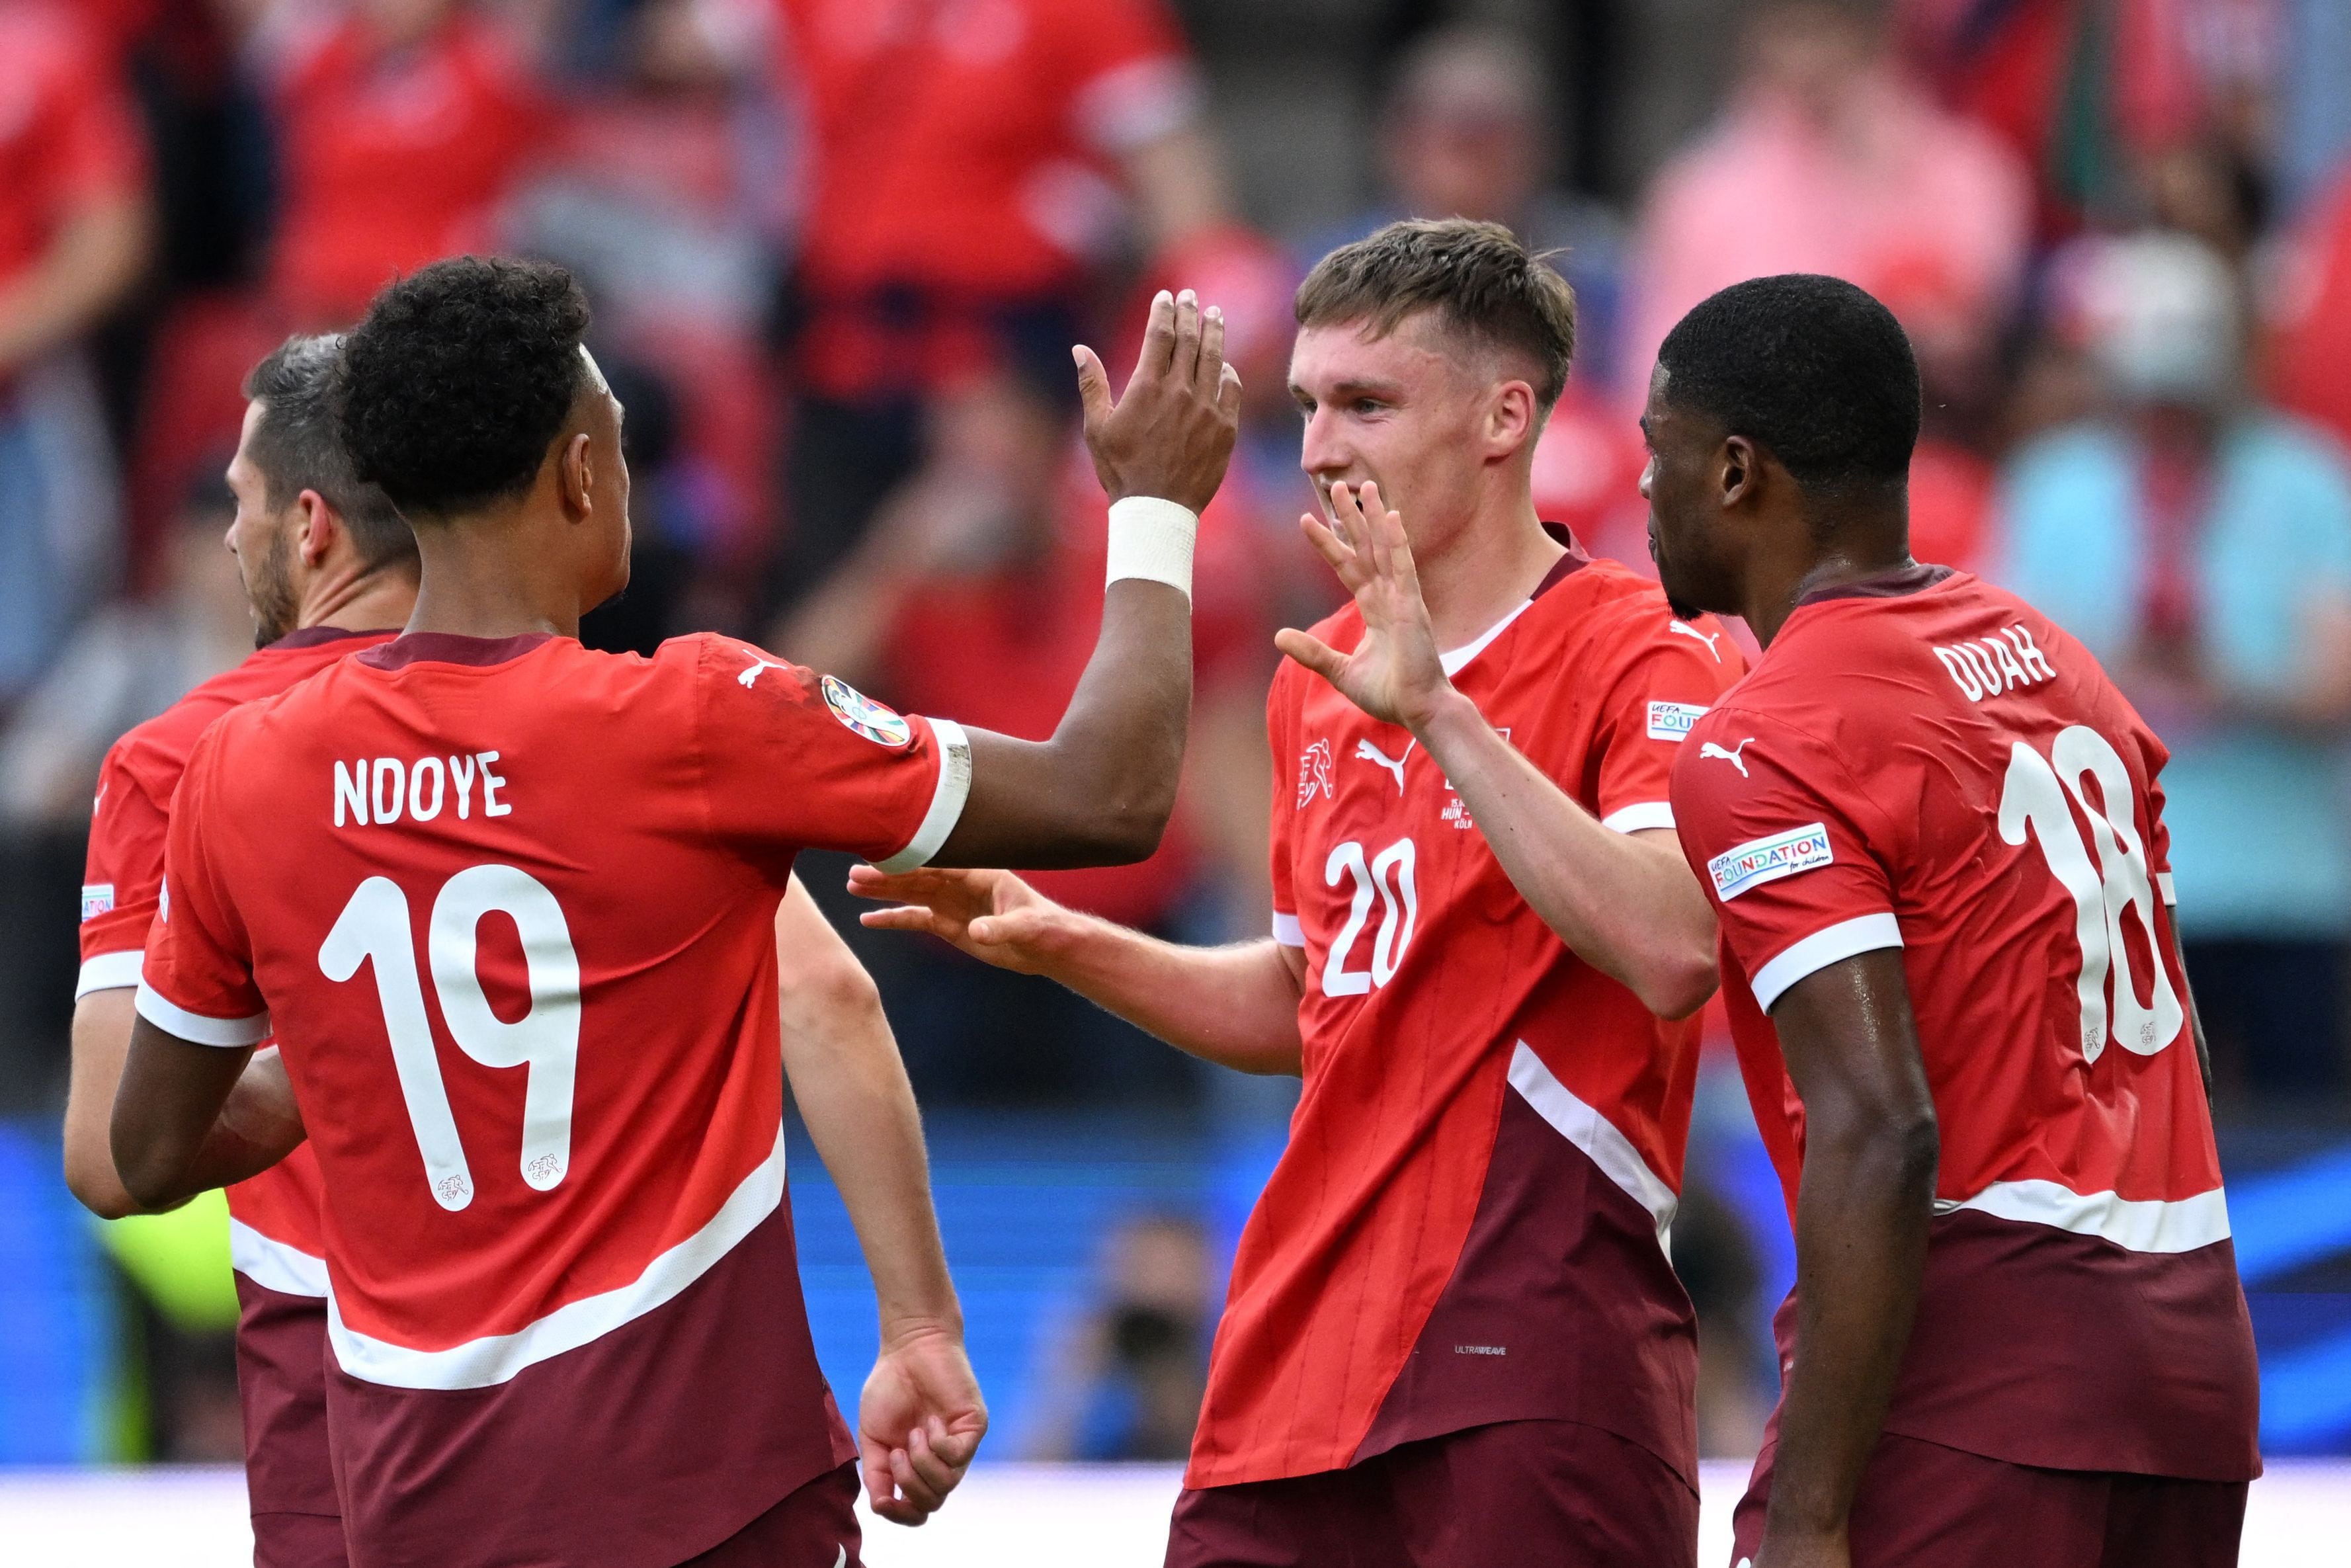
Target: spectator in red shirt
{"type": "Point", "coordinates": [979, 591]}
{"type": "Point", "coordinates": [401, 124]}
{"type": "Point", "coordinates": [74, 226]}
{"type": "Point", "coordinates": [968, 162]}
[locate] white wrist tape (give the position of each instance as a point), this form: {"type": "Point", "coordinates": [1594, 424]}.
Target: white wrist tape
{"type": "Point", "coordinates": [1152, 539]}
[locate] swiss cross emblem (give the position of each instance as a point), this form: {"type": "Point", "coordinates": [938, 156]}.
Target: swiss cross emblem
{"type": "Point", "coordinates": [1314, 772]}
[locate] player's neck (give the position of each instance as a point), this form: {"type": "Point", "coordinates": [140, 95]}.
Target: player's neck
{"type": "Point", "coordinates": [1774, 593]}
{"type": "Point", "coordinates": [490, 581]}
{"type": "Point", "coordinates": [1485, 570]}
{"type": "Point", "coordinates": [368, 601]}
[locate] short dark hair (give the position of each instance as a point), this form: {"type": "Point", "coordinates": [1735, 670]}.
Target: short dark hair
{"type": "Point", "coordinates": [1476, 277]}
{"type": "Point", "coordinates": [297, 445]}
{"type": "Point", "coordinates": [459, 379]}
{"type": "Point", "coordinates": [1811, 368]}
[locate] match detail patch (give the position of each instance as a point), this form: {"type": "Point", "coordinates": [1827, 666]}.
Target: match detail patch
{"type": "Point", "coordinates": [1768, 860]}
{"type": "Point", "coordinates": [880, 725]}
{"type": "Point", "coordinates": [1672, 721]}
{"type": "Point", "coordinates": [97, 899]}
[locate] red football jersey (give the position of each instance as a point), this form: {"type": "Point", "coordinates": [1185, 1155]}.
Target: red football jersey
{"type": "Point", "coordinates": [274, 1217]}
{"type": "Point", "coordinates": [1468, 1222]}
{"type": "Point", "coordinates": [1924, 761]}
{"type": "Point", "coordinates": [448, 859]}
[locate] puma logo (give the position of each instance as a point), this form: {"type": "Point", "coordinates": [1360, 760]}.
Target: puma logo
{"type": "Point", "coordinates": [1687, 630]}
{"type": "Point", "coordinates": [1709, 749]}
{"type": "Point", "coordinates": [1365, 752]}
{"type": "Point", "coordinates": [750, 677]}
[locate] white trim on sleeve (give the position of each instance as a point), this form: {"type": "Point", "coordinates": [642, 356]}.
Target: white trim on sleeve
{"type": "Point", "coordinates": [274, 1265]}
{"type": "Point", "coordinates": [495, 1358]}
{"type": "Point", "coordinates": [1640, 817]}
{"type": "Point", "coordinates": [110, 972]}
{"type": "Point", "coordinates": [2134, 1225]}
{"type": "Point", "coordinates": [947, 800]}
{"type": "Point", "coordinates": [1588, 1130]}
{"type": "Point", "coordinates": [2163, 885]}
{"type": "Point", "coordinates": [1866, 934]}
{"type": "Point", "coordinates": [1287, 931]}
{"type": "Point", "coordinates": [196, 1029]}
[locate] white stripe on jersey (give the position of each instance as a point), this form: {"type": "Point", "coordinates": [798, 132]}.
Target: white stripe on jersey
{"type": "Point", "coordinates": [273, 1265]}
{"type": "Point", "coordinates": [495, 1358]}
{"type": "Point", "coordinates": [1588, 1130]}
{"type": "Point", "coordinates": [2134, 1225]}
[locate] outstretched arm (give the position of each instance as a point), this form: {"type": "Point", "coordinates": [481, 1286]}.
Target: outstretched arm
{"type": "Point", "coordinates": [1625, 903]}
{"type": "Point", "coordinates": [922, 1416]}
{"type": "Point", "coordinates": [1235, 1006]}
{"type": "Point", "coordinates": [1862, 1211]}
{"type": "Point", "coordinates": [1101, 790]}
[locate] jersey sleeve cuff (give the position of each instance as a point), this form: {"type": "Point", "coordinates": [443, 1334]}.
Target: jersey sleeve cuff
{"type": "Point", "coordinates": [947, 800]}
{"type": "Point", "coordinates": [1639, 817]}
{"type": "Point", "coordinates": [1834, 945]}
{"type": "Point", "coordinates": [1287, 931]}
{"type": "Point", "coordinates": [108, 972]}
{"type": "Point", "coordinates": [196, 1029]}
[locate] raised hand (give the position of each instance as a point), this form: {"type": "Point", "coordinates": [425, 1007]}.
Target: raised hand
{"type": "Point", "coordinates": [1393, 674]}
{"type": "Point", "coordinates": [919, 1423]}
{"type": "Point", "coordinates": [1171, 432]}
{"type": "Point", "coordinates": [991, 914]}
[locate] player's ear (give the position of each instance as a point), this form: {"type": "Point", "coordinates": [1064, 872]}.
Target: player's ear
{"type": "Point", "coordinates": [576, 474]}
{"type": "Point", "coordinates": [1511, 416]}
{"type": "Point", "coordinates": [1738, 465]}
{"type": "Point", "coordinates": [314, 529]}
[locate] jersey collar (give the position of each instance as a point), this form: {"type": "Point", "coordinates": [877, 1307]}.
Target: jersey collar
{"type": "Point", "coordinates": [1916, 577]}
{"type": "Point", "coordinates": [313, 636]}
{"type": "Point", "coordinates": [449, 648]}
{"type": "Point", "coordinates": [1454, 660]}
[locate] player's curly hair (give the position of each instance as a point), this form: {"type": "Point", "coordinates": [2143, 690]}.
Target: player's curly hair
{"type": "Point", "coordinates": [1482, 282]}
{"type": "Point", "coordinates": [1812, 368]}
{"type": "Point", "coordinates": [458, 381]}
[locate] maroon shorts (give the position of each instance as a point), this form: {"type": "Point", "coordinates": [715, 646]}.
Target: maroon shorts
{"type": "Point", "coordinates": [1922, 1505]}
{"type": "Point", "coordinates": [1555, 1492]}
{"type": "Point", "coordinates": [281, 1383]}
{"type": "Point", "coordinates": [814, 1527]}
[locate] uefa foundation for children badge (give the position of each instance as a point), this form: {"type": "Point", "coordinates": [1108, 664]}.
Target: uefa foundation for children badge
{"type": "Point", "coordinates": [867, 717]}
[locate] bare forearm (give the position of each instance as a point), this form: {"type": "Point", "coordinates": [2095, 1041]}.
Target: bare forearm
{"type": "Point", "coordinates": [1626, 904]}
{"type": "Point", "coordinates": [1101, 790]}
{"type": "Point", "coordinates": [102, 1036]}
{"type": "Point", "coordinates": [1235, 1006]}
{"type": "Point", "coordinates": [851, 1086]}
{"type": "Point", "coordinates": [1862, 1213]}
{"type": "Point", "coordinates": [165, 1114]}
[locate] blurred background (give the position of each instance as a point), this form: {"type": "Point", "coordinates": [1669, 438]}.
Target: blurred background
{"type": "Point", "coordinates": [839, 249]}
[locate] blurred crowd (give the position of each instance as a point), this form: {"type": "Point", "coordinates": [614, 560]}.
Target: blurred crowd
{"type": "Point", "coordinates": [838, 250]}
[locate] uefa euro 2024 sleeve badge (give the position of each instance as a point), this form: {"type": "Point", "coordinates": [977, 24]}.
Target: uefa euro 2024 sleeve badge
{"type": "Point", "coordinates": [867, 717]}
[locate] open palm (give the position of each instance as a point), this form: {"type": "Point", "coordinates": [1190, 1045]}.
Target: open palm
{"type": "Point", "coordinates": [1394, 672]}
